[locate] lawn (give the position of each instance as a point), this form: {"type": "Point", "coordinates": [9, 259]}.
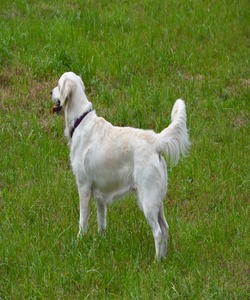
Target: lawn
{"type": "Point", "coordinates": [136, 58]}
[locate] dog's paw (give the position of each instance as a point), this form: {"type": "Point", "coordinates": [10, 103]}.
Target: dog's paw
{"type": "Point", "coordinates": [79, 234]}
{"type": "Point", "coordinates": [101, 231]}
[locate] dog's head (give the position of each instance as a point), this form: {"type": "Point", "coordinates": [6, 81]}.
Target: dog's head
{"type": "Point", "coordinates": [68, 85]}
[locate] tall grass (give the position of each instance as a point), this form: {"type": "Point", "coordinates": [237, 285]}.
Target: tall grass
{"type": "Point", "coordinates": [136, 58]}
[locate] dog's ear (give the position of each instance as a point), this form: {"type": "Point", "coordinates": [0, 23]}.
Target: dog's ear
{"type": "Point", "coordinates": [81, 83]}
{"type": "Point", "coordinates": [66, 91]}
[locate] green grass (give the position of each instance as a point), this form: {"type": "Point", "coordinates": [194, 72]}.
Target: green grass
{"type": "Point", "coordinates": [136, 58]}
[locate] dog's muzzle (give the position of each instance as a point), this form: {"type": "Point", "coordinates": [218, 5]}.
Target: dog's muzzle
{"type": "Point", "coordinates": [57, 108]}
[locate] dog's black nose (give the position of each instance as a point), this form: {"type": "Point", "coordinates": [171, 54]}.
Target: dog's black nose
{"type": "Point", "coordinates": [51, 93]}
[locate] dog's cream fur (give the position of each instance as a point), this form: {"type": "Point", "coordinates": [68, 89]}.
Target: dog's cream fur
{"type": "Point", "coordinates": [109, 161]}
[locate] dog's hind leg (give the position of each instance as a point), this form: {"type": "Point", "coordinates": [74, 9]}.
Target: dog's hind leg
{"type": "Point", "coordinates": [151, 216]}
{"type": "Point", "coordinates": [164, 228]}
{"type": "Point", "coordinates": [84, 194]}
{"type": "Point", "coordinates": [150, 193]}
{"type": "Point", "coordinates": [151, 206]}
{"type": "Point", "coordinates": [101, 216]}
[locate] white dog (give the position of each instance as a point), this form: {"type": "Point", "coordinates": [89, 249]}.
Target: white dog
{"type": "Point", "coordinates": [109, 161]}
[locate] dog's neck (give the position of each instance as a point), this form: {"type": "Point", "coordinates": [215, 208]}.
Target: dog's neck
{"type": "Point", "coordinates": [78, 121]}
{"type": "Point", "coordinates": [78, 106]}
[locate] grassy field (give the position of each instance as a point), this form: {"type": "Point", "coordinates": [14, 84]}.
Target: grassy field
{"type": "Point", "coordinates": [136, 58]}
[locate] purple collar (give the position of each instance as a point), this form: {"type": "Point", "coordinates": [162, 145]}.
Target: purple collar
{"type": "Point", "coordinates": [78, 121]}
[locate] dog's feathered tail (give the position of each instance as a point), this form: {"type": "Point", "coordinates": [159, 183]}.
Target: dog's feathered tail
{"type": "Point", "coordinates": [174, 140]}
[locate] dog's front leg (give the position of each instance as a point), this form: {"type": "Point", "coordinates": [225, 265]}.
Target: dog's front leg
{"type": "Point", "coordinates": [84, 194]}
{"type": "Point", "coordinates": [101, 216]}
